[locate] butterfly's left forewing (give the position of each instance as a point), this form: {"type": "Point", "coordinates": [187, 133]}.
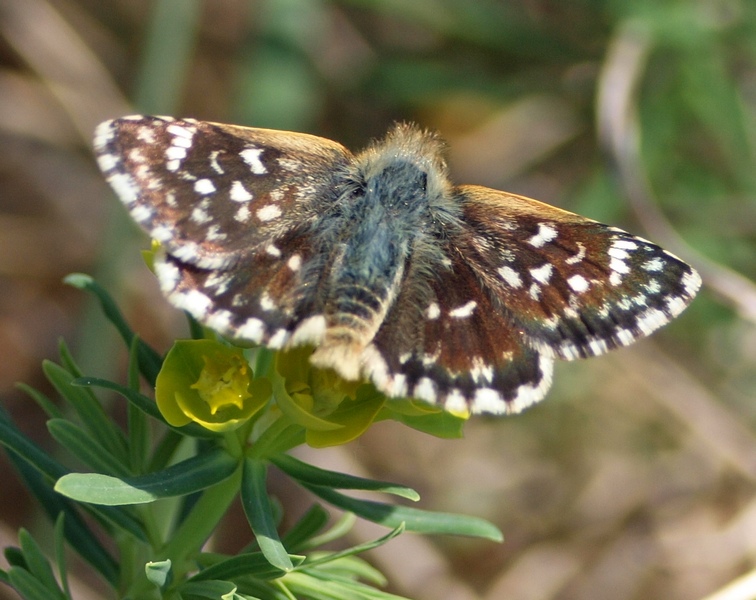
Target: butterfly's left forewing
{"type": "Point", "coordinates": [231, 207]}
{"type": "Point", "coordinates": [210, 193]}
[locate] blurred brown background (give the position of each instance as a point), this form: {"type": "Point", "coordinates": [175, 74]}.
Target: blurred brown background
{"type": "Point", "coordinates": [635, 478]}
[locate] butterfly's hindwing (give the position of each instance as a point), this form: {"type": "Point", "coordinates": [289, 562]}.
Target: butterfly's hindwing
{"type": "Point", "coordinates": [268, 296]}
{"type": "Point", "coordinates": [450, 345]}
{"type": "Point", "coordinates": [576, 287]}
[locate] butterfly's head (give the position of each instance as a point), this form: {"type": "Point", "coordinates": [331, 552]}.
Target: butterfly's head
{"type": "Point", "coordinates": [407, 164]}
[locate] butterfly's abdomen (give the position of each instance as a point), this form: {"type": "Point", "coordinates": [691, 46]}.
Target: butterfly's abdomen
{"type": "Point", "coordinates": [384, 217]}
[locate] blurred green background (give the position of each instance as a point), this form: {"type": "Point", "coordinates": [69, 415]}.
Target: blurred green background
{"type": "Point", "coordinates": [635, 479]}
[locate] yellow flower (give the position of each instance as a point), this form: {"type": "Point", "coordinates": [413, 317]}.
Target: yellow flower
{"type": "Point", "coordinates": [209, 383]}
{"type": "Point", "coordinates": [332, 410]}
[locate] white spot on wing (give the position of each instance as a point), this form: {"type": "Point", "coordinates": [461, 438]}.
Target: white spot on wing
{"type": "Point", "coordinates": [464, 311]}
{"type": "Point", "coordinates": [199, 214]}
{"type": "Point", "coordinates": [192, 301]}
{"type": "Point", "coordinates": [182, 142]}
{"type": "Point", "coordinates": [542, 274]}
{"type": "Point", "coordinates": [214, 233]}
{"type": "Point", "coordinates": [162, 233]}
{"type": "Point", "coordinates": [295, 262]}
{"type": "Point", "coordinates": [104, 133]}
{"type": "Point", "coordinates": [624, 336]}
{"type": "Point", "coordinates": [433, 311]}
{"type": "Point", "coordinates": [511, 276]}
{"type": "Point", "coordinates": [268, 212]}
{"type": "Point", "coordinates": [618, 253]}
{"type": "Point", "coordinates": [650, 320]}
{"type": "Point", "coordinates": [214, 164]}
{"type": "Point", "coordinates": [106, 162]}
{"type": "Point", "coordinates": [278, 339]}
{"type": "Point", "coordinates": [141, 213]}
{"type": "Point", "coordinates": [578, 283]}
{"type": "Point", "coordinates": [239, 193]}
{"type": "Point", "coordinates": [619, 266]}
{"type": "Point", "coordinates": [546, 233]}
{"type": "Point", "coordinates": [691, 281]}
{"type": "Point", "coordinates": [251, 156]}
{"type": "Point", "coordinates": [220, 320]}
{"type": "Point", "coordinates": [675, 305]}
{"type": "Point", "coordinates": [204, 186]}
{"type": "Point", "coordinates": [243, 214]}
{"type": "Point", "coordinates": [124, 186]}
{"type": "Point", "coordinates": [597, 346]}
{"type": "Point", "coordinates": [425, 390]}
{"type": "Point", "coordinates": [455, 402]}
{"type": "Point", "coordinates": [625, 244]}
{"type": "Point", "coordinates": [576, 258]}
{"type": "Point", "coordinates": [653, 265]}
{"type": "Point", "coordinates": [252, 330]}
{"type": "Point", "coordinates": [168, 275]}
{"type": "Point", "coordinates": [266, 302]}
{"type": "Point", "coordinates": [180, 131]}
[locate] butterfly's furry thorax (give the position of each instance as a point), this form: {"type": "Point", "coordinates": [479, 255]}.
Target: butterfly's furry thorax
{"type": "Point", "coordinates": [395, 203]}
{"type": "Point", "coordinates": [457, 295]}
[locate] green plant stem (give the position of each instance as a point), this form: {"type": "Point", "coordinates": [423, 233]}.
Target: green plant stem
{"type": "Point", "coordinates": [194, 531]}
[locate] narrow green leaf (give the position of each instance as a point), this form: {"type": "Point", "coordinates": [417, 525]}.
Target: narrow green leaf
{"type": "Point", "coordinates": [89, 410]}
{"type": "Point", "coordinates": [37, 563]}
{"type": "Point", "coordinates": [354, 568]}
{"type": "Point", "coordinates": [301, 471]}
{"type": "Point", "coordinates": [29, 587]}
{"type": "Point", "coordinates": [354, 550]}
{"type": "Point", "coordinates": [149, 359]}
{"type": "Point", "coordinates": [60, 553]}
{"type": "Point", "coordinates": [337, 531]}
{"type": "Point", "coordinates": [138, 430]}
{"type": "Point", "coordinates": [207, 589]}
{"type": "Point", "coordinates": [250, 564]}
{"type": "Point", "coordinates": [313, 521]}
{"type": "Point", "coordinates": [146, 405]}
{"type": "Point", "coordinates": [196, 331]}
{"type": "Point", "coordinates": [165, 450]}
{"type": "Point", "coordinates": [47, 405]}
{"type": "Point", "coordinates": [325, 586]}
{"type": "Point", "coordinates": [84, 447]}
{"type": "Point", "coordinates": [14, 557]}
{"type": "Point", "coordinates": [280, 436]}
{"type": "Point", "coordinates": [25, 449]}
{"type": "Point", "coordinates": [67, 360]}
{"type": "Point", "coordinates": [257, 507]}
{"type": "Point", "coordinates": [191, 475]}
{"type": "Point", "coordinates": [38, 471]}
{"type": "Point", "coordinates": [419, 521]}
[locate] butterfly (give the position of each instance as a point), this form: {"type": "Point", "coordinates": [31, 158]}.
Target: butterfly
{"type": "Point", "coordinates": [458, 295]}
